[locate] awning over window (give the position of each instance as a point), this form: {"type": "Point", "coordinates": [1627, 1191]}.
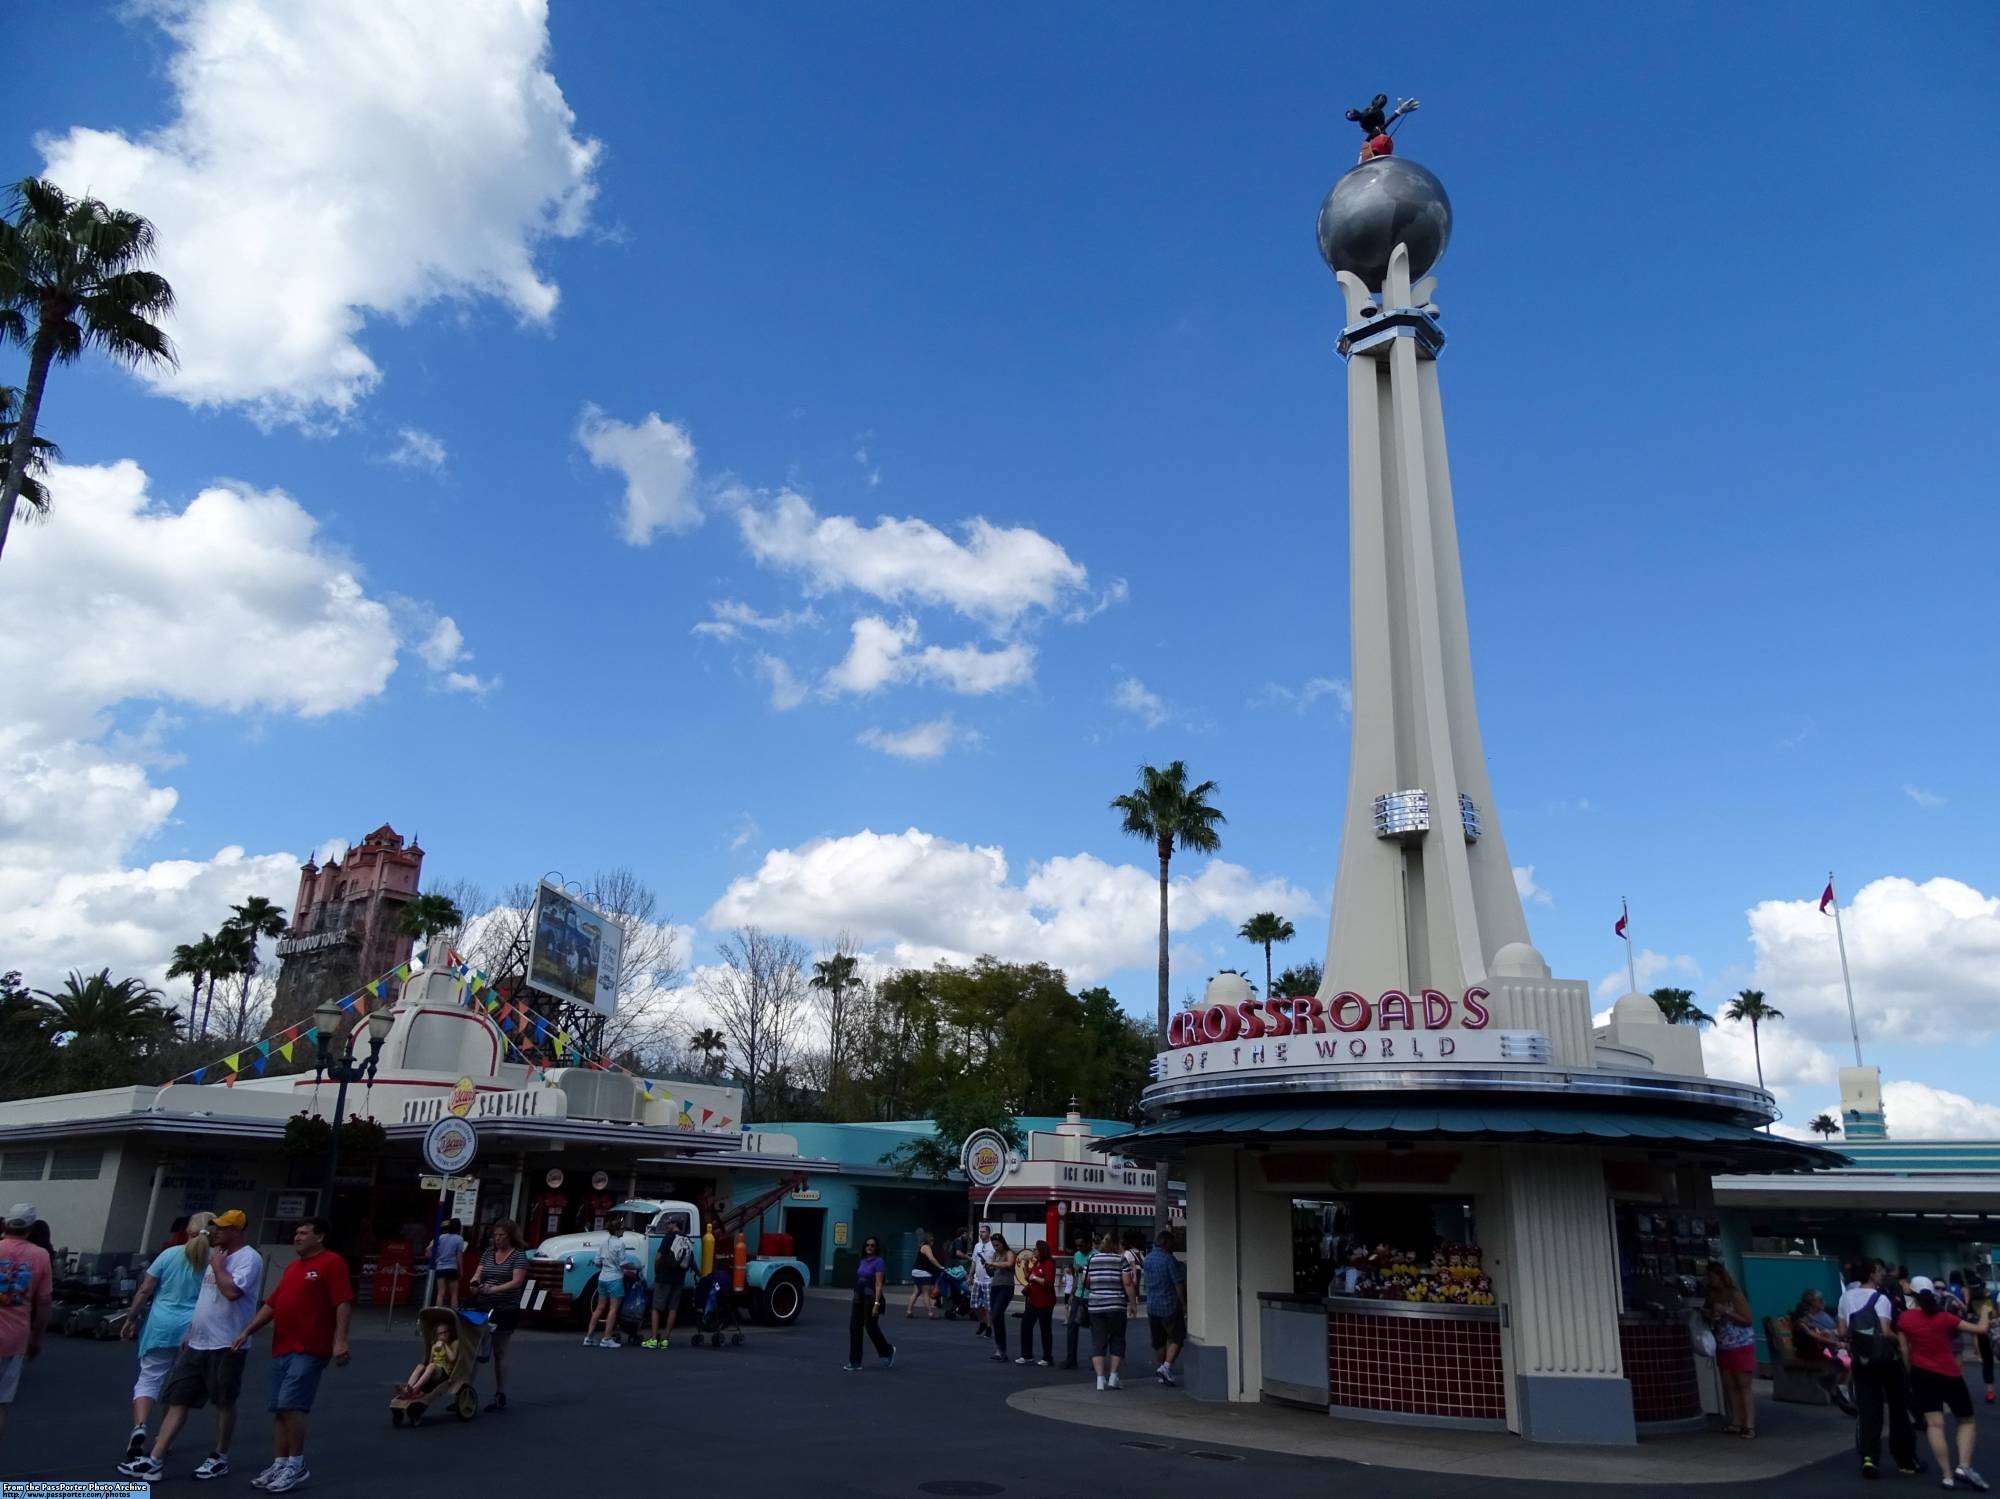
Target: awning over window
{"type": "Point", "coordinates": [1735, 1144]}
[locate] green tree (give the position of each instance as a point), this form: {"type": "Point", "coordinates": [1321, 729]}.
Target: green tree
{"type": "Point", "coordinates": [1825, 1126]}
{"type": "Point", "coordinates": [24, 1038]}
{"type": "Point", "coordinates": [424, 916]}
{"type": "Point", "coordinates": [202, 960]}
{"type": "Point", "coordinates": [957, 1117]}
{"type": "Point", "coordinates": [71, 279]}
{"type": "Point", "coordinates": [1300, 978]}
{"type": "Point", "coordinates": [1751, 1005]}
{"type": "Point", "coordinates": [1265, 928]}
{"type": "Point", "coordinates": [254, 918]}
{"type": "Point", "coordinates": [127, 1012]}
{"type": "Point", "coordinates": [41, 453]}
{"type": "Point", "coordinates": [713, 1048]}
{"type": "Point", "coordinates": [1677, 1007]}
{"type": "Point", "coordinates": [1168, 813]}
{"type": "Point", "coordinates": [833, 983]}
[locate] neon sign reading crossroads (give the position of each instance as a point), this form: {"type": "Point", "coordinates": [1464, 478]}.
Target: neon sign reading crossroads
{"type": "Point", "coordinates": [1347, 1012]}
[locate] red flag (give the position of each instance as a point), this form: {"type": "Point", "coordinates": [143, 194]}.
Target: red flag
{"type": "Point", "coordinates": [1619, 929]}
{"type": "Point", "coordinates": [1826, 899]}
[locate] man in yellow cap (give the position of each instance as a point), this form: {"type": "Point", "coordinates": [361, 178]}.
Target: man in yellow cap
{"type": "Point", "coordinates": [209, 1367]}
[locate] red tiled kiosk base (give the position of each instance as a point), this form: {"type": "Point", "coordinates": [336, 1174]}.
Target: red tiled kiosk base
{"type": "Point", "coordinates": [1415, 1363]}
{"type": "Point", "coordinates": [1659, 1363]}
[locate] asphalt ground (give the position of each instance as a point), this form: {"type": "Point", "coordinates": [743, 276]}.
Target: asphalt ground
{"type": "Point", "coordinates": [776, 1415]}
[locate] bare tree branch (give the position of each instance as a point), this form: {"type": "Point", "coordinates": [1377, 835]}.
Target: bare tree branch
{"type": "Point", "coordinates": [758, 998]}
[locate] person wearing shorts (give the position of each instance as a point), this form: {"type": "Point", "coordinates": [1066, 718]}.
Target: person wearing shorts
{"type": "Point", "coordinates": [209, 1366]}
{"type": "Point", "coordinates": [165, 1306]}
{"type": "Point", "coordinates": [502, 1275]}
{"type": "Point", "coordinates": [1166, 1305]}
{"type": "Point", "coordinates": [309, 1312]}
{"type": "Point", "coordinates": [982, 1283]}
{"type": "Point", "coordinates": [670, 1273]}
{"type": "Point", "coordinates": [611, 1265]}
{"type": "Point", "coordinates": [1109, 1280]}
{"type": "Point", "coordinates": [1928, 1335]}
{"type": "Point", "coordinates": [26, 1292]}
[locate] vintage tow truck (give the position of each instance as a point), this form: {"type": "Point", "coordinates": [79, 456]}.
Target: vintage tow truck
{"type": "Point", "coordinates": [562, 1271]}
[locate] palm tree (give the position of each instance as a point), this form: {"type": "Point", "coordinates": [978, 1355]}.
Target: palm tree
{"type": "Point", "coordinates": [1265, 928]}
{"type": "Point", "coordinates": [1825, 1126]}
{"type": "Point", "coordinates": [428, 914]}
{"type": "Point", "coordinates": [713, 1046]}
{"type": "Point", "coordinates": [831, 976]}
{"type": "Point", "coordinates": [1168, 813]}
{"type": "Point", "coordinates": [197, 961]}
{"type": "Point", "coordinates": [41, 453]}
{"type": "Point", "coordinates": [1751, 1005]}
{"type": "Point", "coordinates": [254, 918]}
{"type": "Point", "coordinates": [70, 280]}
{"type": "Point", "coordinates": [127, 1012]}
{"type": "Point", "coordinates": [1677, 1007]}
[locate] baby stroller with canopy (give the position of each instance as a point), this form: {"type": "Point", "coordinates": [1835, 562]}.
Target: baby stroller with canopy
{"type": "Point", "coordinates": [715, 1311]}
{"type": "Point", "coordinates": [953, 1295]}
{"type": "Point", "coordinates": [455, 1391]}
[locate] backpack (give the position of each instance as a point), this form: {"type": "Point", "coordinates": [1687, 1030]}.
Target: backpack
{"type": "Point", "coordinates": [1872, 1341]}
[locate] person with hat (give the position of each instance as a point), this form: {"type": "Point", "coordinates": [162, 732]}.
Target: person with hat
{"type": "Point", "coordinates": [209, 1366]}
{"type": "Point", "coordinates": [309, 1311]}
{"type": "Point", "coordinates": [25, 1291]}
{"type": "Point", "coordinates": [1927, 1331]}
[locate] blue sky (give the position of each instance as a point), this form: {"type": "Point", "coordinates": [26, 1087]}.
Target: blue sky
{"type": "Point", "coordinates": [1719, 394]}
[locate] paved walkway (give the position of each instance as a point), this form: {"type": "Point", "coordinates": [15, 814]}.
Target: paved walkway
{"type": "Point", "coordinates": [1789, 1437]}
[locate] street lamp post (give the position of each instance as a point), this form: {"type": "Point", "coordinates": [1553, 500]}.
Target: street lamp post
{"type": "Point", "coordinates": [344, 1069]}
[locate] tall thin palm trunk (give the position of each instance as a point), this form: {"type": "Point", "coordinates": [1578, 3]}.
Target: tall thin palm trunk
{"type": "Point", "coordinates": [1160, 1167]}
{"type": "Point", "coordinates": [1757, 1047]}
{"type": "Point", "coordinates": [1267, 970]}
{"type": "Point", "coordinates": [40, 358]}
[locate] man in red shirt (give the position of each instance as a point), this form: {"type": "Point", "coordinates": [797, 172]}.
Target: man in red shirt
{"type": "Point", "coordinates": [310, 1308]}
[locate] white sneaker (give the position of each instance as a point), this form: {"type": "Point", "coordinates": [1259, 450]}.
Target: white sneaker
{"type": "Point", "coordinates": [1041, 1363]}
{"type": "Point", "coordinates": [278, 1464]}
{"type": "Point", "coordinates": [148, 1468]}
{"type": "Point", "coordinates": [1970, 1478]}
{"type": "Point", "coordinates": [135, 1444]}
{"type": "Point", "coordinates": [215, 1465]}
{"type": "Point", "coordinates": [590, 1342]}
{"type": "Point", "coordinates": [1100, 1382]}
{"type": "Point", "coordinates": [295, 1474]}
{"type": "Point", "coordinates": [1115, 1384]}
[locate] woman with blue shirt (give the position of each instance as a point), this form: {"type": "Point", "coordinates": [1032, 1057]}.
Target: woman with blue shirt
{"type": "Point", "coordinates": [165, 1302]}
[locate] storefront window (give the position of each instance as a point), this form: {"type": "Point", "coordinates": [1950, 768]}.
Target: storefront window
{"type": "Point", "coordinates": [1661, 1254]}
{"type": "Point", "coordinates": [1389, 1246]}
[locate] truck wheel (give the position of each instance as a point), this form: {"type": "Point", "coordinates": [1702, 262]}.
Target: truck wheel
{"type": "Point", "coordinates": [781, 1300]}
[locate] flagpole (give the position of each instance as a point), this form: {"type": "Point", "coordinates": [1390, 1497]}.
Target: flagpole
{"type": "Point", "coordinates": [1631, 969]}
{"type": "Point", "coordinates": [1846, 982]}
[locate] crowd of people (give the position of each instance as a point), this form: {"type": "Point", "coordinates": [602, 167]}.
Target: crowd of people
{"type": "Point", "coordinates": [1892, 1354]}
{"type": "Point", "coordinates": [1104, 1283]}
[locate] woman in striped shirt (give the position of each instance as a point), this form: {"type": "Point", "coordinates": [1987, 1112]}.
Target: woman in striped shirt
{"type": "Point", "coordinates": [1108, 1280]}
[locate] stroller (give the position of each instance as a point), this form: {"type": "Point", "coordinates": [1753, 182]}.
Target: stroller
{"type": "Point", "coordinates": [715, 1312]}
{"type": "Point", "coordinates": [953, 1295]}
{"type": "Point", "coordinates": [456, 1390]}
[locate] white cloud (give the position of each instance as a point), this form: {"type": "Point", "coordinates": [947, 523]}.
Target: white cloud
{"type": "Point", "coordinates": [733, 617]}
{"type": "Point", "coordinates": [416, 448]}
{"type": "Point", "coordinates": [997, 575]}
{"type": "Point", "coordinates": [1925, 960]}
{"type": "Point", "coordinates": [1116, 592]}
{"type": "Point", "coordinates": [918, 898]}
{"type": "Point", "coordinates": [1648, 965]}
{"type": "Point", "coordinates": [1136, 698]}
{"type": "Point", "coordinates": [657, 459]}
{"type": "Point", "coordinates": [1336, 689]}
{"type": "Point", "coordinates": [330, 162]}
{"type": "Point", "coordinates": [870, 469]}
{"type": "Point", "coordinates": [444, 649]}
{"type": "Point", "coordinates": [880, 655]}
{"type": "Point", "coordinates": [787, 691]}
{"type": "Point", "coordinates": [233, 603]}
{"type": "Point", "coordinates": [746, 830]}
{"type": "Point", "coordinates": [923, 741]}
{"type": "Point", "coordinates": [1930, 801]}
{"type": "Point", "coordinates": [1524, 883]}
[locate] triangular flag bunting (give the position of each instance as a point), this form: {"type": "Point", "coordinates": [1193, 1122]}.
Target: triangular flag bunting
{"type": "Point", "coordinates": [285, 1052]}
{"type": "Point", "coordinates": [229, 1062]}
{"type": "Point", "coordinates": [259, 1065]}
{"type": "Point", "coordinates": [706, 1115]}
{"type": "Point", "coordinates": [263, 1048]}
{"type": "Point", "coordinates": [229, 1081]}
{"type": "Point", "coordinates": [197, 1075]}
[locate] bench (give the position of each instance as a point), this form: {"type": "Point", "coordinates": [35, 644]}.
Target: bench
{"type": "Point", "coordinates": [1796, 1372]}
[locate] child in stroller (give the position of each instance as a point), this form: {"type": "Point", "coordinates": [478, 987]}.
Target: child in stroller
{"type": "Point", "coordinates": [451, 1351]}
{"type": "Point", "coordinates": [953, 1295]}
{"type": "Point", "coordinates": [715, 1311]}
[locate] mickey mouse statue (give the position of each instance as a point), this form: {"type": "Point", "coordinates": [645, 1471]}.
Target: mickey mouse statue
{"type": "Point", "coordinates": [1377, 121]}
